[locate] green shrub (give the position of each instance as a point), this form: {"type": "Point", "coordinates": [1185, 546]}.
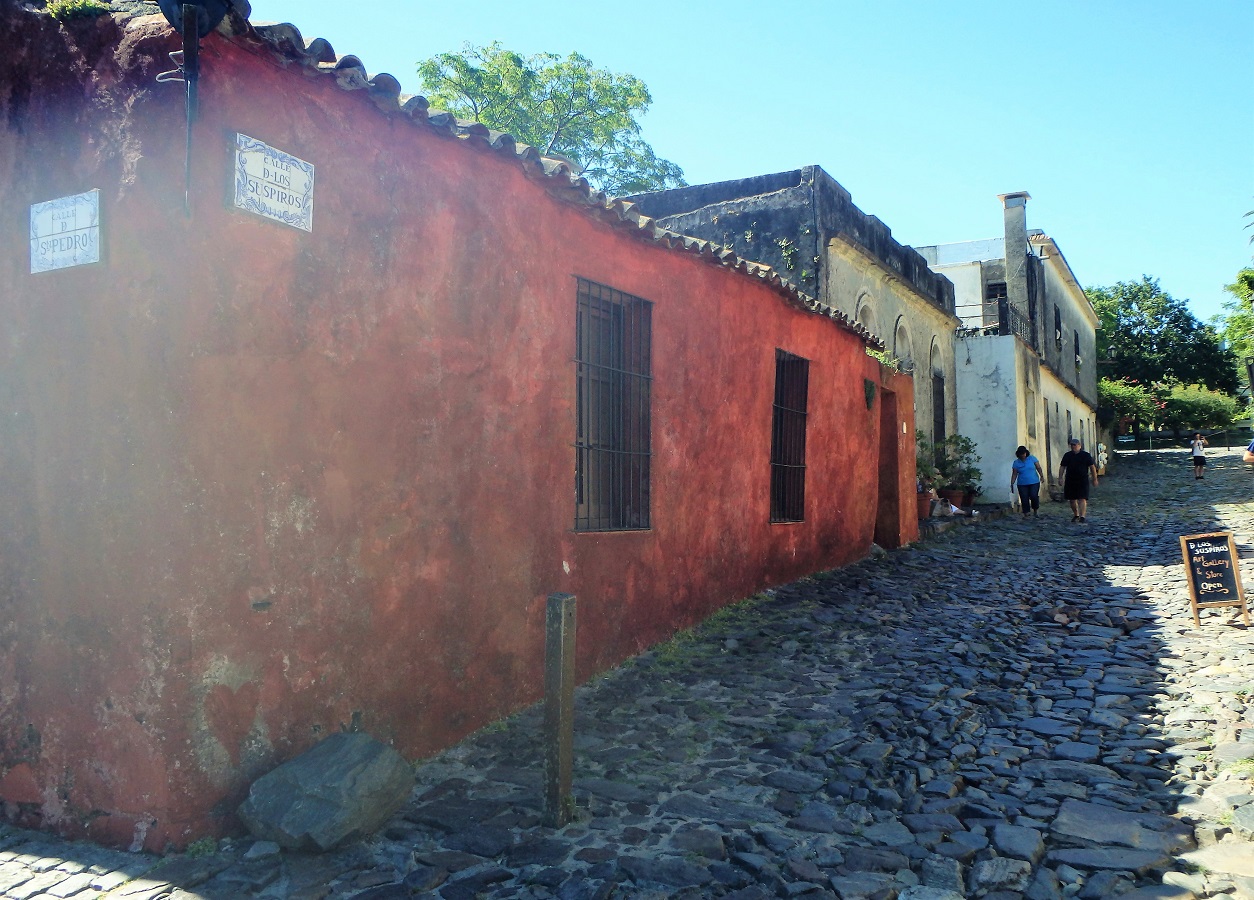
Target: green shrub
{"type": "Point", "coordinates": [204, 847]}
{"type": "Point", "coordinates": [1193, 406]}
{"type": "Point", "coordinates": [949, 464]}
{"type": "Point", "coordinates": [73, 9]}
{"type": "Point", "coordinates": [925, 471]}
{"type": "Point", "coordinates": [957, 463]}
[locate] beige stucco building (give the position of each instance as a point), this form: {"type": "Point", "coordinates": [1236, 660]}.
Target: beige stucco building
{"type": "Point", "coordinates": [806, 226]}
{"type": "Point", "coordinates": [918, 333]}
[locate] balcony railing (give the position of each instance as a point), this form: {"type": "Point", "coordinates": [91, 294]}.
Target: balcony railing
{"type": "Point", "coordinates": [998, 317]}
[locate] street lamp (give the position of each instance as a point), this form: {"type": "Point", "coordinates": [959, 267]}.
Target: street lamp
{"type": "Point", "coordinates": [193, 19]}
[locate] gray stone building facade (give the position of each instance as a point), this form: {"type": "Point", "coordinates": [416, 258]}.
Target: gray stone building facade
{"type": "Point", "coordinates": [804, 224]}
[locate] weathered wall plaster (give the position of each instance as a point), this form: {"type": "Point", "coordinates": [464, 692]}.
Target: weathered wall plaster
{"type": "Point", "coordinates": [262, 484]}
{"type": "Point", "coordinates": [855, 281]}
{"type": "Point", "coordinates": [1078, 318]}
{"type": "Point", "coordinates": [1063, 406]}
{"type": "Point", "coordinates": [990, 375]}
{"type": "Point", "coordinates": [1050, 385]}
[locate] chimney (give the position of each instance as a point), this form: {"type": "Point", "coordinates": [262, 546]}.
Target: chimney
{"type": "Point", "coordinates": [1016, 224]}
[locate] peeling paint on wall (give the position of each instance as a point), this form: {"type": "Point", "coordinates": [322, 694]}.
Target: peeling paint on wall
{"type": "Point", "coordinates": [228, 731]}
{"type": "Point", "coordinates": [268, 483]}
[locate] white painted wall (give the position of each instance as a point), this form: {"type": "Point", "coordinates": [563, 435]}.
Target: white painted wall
{"type": "Point", "coordinates": [989, 405]}
{"type": "Point", "coordinates": [968, 291]}
{"type": "Point", "coordinates": [1004, 390]}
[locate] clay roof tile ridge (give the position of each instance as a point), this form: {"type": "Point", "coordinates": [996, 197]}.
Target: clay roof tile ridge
{"type": "Point", "coordinates": [350, 74]}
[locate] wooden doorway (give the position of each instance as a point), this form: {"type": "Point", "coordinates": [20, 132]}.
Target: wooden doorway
{"type": "Point", "coordinates": [888, 514]}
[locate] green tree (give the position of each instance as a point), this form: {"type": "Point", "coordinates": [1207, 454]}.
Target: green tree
{"type": "Point", "coordinates": [1128, 402]}
{"type": "Point", "coordinates": [560, 106]}
{"type": "Point", "coordinates": [1243, 287]}
{"type": "Point", "coordinates": [1236, 323]}
{"type": "Point", "coordinates": [1150, 337]}
{"type": "Point", "coordinates": [1192, 407]}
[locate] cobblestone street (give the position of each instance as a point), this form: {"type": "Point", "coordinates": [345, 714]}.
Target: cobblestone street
{"type": "Point", "coordinates": [1014, 709]}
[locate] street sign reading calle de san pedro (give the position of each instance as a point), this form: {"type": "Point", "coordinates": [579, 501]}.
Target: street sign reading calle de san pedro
{"type": "Point", "coordinates": [273, 184]}
{"type": "Point", "coordinates": [65, 232]}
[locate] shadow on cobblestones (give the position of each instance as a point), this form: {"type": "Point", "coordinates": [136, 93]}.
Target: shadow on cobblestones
{"type": "Point", "coordinates": [1019, 709]}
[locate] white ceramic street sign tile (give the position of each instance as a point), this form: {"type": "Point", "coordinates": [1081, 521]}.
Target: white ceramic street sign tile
{"type": "Point", "coordinates": [65, 232]}
{"type": "Point", "coordinates": [273, 184]}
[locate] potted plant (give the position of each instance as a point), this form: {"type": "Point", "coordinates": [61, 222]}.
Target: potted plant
{"type": "Point", "coordinates": [959, 476]}
{"type": "Point", "coordinates": [971, 487]}
{"type": "Point", "coordinates": [926, 475]}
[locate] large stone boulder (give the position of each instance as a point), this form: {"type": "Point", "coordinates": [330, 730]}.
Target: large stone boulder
{"type": "Point", "coordinates": [345, 787]}
{"type": "Point", "coordinates": [1100, 825]}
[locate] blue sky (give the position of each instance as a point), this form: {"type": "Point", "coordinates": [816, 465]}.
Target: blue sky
{"type": "Point", "coordinates": [1129, 123]}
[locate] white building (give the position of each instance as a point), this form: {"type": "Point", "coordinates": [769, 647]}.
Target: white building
{"type": "Point", "coordinates": [1025, 355]}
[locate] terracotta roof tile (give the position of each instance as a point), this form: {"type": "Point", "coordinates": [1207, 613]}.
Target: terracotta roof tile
{"type": "Point", "coordinates": [285, 41]}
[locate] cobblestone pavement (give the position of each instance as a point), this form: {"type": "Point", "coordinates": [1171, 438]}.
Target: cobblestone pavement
{"type": "Point", "coordinates": [1015, 710]}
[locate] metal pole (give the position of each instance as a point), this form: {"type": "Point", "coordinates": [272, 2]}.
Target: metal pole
{"type": "Point", "coordinates": [191, 73]}
{"type": "Point", "coordinates": [559, 709]}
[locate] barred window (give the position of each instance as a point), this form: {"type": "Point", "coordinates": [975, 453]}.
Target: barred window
{"type": "Point", "coordinates": [613, 388]}
{"type": "Point", "coordinates": [788, 438]}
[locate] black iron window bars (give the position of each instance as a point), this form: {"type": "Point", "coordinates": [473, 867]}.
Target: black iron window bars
{"type": "Point", "coordinates": [788, 438]}
{"type": "Point", "coordinates": [613, 387]}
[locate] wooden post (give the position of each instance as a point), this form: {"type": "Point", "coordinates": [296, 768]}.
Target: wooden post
{"type": "Point", "coordinates": [559, 709]}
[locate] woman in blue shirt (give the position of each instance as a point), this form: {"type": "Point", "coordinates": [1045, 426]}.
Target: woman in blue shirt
{"type": "Point", "coordinates": [1026, 471]}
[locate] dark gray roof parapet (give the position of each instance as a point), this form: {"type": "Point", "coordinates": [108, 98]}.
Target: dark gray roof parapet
{"type": "Point", "coordinates": [686, 199]}
{"type": "Point", "coordinates": [787, 219]}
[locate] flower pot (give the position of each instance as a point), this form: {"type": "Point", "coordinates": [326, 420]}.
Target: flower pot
{"type": "Point", "coordinates": [968, 498]}
{"type": "Point", "coordinates": [954, 496]}
{"type": "Point", "coordinates": [925, 504]}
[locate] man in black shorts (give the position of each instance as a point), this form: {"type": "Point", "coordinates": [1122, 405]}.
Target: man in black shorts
{"type": "Point", "coordinates": [1074, 472]}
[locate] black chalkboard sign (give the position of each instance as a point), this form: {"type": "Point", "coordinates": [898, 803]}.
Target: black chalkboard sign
{"type": "Point", "coordinates": [1210, 564]}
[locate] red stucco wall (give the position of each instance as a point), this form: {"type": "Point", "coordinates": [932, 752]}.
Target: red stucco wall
{"type": "Point", "coordinates": [259, 484]}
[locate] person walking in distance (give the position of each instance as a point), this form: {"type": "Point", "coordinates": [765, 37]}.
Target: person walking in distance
{"type": "Point", "coordinates": [1199, 455]}
{"type": "Point", "coordinates": [1074, 471]}
{"type": "Point", "coordinates": [1026, 472]}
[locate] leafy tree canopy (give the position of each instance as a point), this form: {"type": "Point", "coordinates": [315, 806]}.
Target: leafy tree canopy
{"type": "Point", "coordinates": [1236, 325]}
{"type": "Point", "coordinates": [1154, 338]}
{"type": "Point", "coordinates": [1175, 406]}
{"type": "Point", "coordinates": [1191, 407]}
{"type": "Point", "coordinates": [1243, 287]}
{"type": "Point", "coordinates": [1130, 403]}
{"type": "Point", "coordinates": [560, 106]}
